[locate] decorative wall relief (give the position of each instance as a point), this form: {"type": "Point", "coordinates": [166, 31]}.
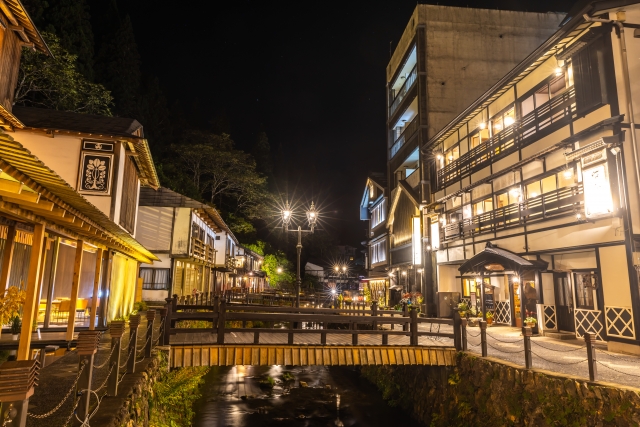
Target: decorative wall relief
{"type": "Point", "coordinates": [95, 173]}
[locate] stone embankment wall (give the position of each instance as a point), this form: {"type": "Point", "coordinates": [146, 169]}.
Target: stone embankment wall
{"type": "Point", "coordinates": [488, 392]}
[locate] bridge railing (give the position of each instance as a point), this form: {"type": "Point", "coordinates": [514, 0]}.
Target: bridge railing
{"type": "Point", "coordinates": [306, 320]}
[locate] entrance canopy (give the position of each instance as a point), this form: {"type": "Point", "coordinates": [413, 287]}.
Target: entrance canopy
{"type": "Point", "coordinates": [494, 259]}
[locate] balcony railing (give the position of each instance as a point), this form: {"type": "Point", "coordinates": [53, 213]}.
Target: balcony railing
{"type": "Point", "coordinates": [202, 251]}
{"type": "Point", "coordinates": [406, 134]}
{"type": "Point", "coordinates": [558, 202]}
{"type": "Point", "coordinates": [510, 139]}
{"type": "Point", "coordinates": [404, 89]}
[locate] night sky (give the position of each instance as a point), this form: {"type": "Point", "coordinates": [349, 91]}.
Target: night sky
{"type": "Point", "coordinates": [310, 74]}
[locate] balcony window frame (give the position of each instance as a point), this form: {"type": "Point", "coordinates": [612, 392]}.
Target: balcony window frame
{"type": "Point", "coordinates": [379, 251]}
{"type": "Point", "coordinates": [153, 285]}
{"type": "Point", "coordinates": [378, 213]}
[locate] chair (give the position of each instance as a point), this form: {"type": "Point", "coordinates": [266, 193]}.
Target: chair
{"type": "Point", "coordinates": [64, 306]}
{"type": "Point", "coordinates": [81, 306]}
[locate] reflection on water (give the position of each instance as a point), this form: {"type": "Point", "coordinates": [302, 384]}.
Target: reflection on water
{"type": "Point", "coordinates": [310, 396]}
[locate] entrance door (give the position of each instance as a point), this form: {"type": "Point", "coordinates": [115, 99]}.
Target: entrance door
{"type": "Point", "coordinates": [564, 302]}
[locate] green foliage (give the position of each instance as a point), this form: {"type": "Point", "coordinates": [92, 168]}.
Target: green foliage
{"type": "Point", "coordinates": [140, 306]}
{"type": "Point", "coordinates": [311, 281]}
{"type": "Point", "coordinates": [270, 266]}
{"type": "Point", "coordinates": [193, 324]}
{"type": "Point", "coordinates": [16, 324]}
{"type": "Point", "coordinates": [174, 395]}
{"type": "Point", "coordinates": [258, 247]}
{"type": "Point", "coordinates": [287, 376]}
{"type": "Point", "coordinates": [267, 382]}
{"type": "Point", "coordinates": [55, 82]}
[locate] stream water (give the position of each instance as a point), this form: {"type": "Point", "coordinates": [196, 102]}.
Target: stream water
{"type": "Point", "coordinates": [309, 396]}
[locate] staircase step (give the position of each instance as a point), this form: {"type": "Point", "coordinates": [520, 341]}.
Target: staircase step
{"type": "Point", "coordinates": [560, 335]}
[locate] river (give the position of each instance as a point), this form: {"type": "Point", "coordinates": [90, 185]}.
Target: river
{"type": "Point", "coordinates": [309, 396]}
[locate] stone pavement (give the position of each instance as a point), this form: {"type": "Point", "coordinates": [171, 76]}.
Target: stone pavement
{"type": "Point", "coordinates": [58, 378]}
{"type": "Point", "coordinates": [567, 357]}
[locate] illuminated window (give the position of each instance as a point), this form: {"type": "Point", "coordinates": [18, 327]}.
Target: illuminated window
{"type": "Point", "coordinates": [545, 92]}
{"type": "Point", "coordinates": [566, 178]}
{"type": "Point", "coordinates": [503, 120]}
{"type": "Point", "coordinates": [379, 251]}
{"type": "Point", "coordinates": [452, 155]}
{"type": "Point", "coordinates": [483, 206]}
{"type": "Point", "coordinates": [481, 136]}
{"type": "Point", "coordinates": [378, 214]}
{"type": "Point", "coordinates": [585, 284]}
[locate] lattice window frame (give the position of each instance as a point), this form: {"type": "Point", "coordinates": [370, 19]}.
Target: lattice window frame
{"type": "Point", "coordinates": [591, 321]}
{"type": "Point", "coordinates": [612, 329]}
{"type": "Point", "coordinates": [550, 317]}
{"type": "Point", "coordinates": [502, 312]}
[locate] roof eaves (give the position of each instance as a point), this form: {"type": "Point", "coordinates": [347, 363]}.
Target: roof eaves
{"type": "Point", "coordinates": [20, 14]}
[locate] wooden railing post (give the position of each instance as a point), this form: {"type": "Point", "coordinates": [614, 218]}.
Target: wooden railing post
{"type": "Point", "coordinates": [151, 315]}
{"type": "Point", "coordinates": [134, 322]}
{"type": "Point", "coordinates": [87, 348]}
{"type": "Point", "coordinates": [589, 340]}
{"type": "Point", "coordinates": [483, 337]}
{"type": "Point", "coordinates": [413, 338]}
{"type": "Point", "coordinates": [405, 313]}
{"type": "Point", "coordinates": [17, 380]}
{"type": "Point", "coordinates": [163, 325]}
{"type": "Point", "coordinates": [526, 333]}
{"type": "Point", "coordinates": [222, 314]}
{"type": "Point", "coordinates": [457, 330]}
{"type": "Point", "coordinates": [374, 313]}
{"type": "Point", "coordinates": [464, 334]}
{"type": "Point", "coordinates": [116, 330]}
{"type": "Point", "coordinates": [168, 324]}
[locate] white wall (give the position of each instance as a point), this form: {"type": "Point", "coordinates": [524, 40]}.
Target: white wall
{"type": "Point", "coordinates": [447, 281]}
{"type": "Point", "coordinates": [153, 227]}
{"type": "Point", "coordinates": [181, 231]}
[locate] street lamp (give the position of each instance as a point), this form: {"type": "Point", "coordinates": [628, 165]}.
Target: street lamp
{"type": "Point", "coordinates": [279, 270]}
{"type": "Point", "coordinates": [312, 218]}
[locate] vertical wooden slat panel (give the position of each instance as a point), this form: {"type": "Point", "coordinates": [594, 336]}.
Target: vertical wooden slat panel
{"type": "Point", "coordinates": [271, 356]}
{"type": "Point", "coordinates": [356, 356]}
{"type": "Point", "coordinates": [326, 357]}
{"type": "Point", "coordinates": [213, 357]}
{"type": "Point", "coordinates": [405, 356]}
{"type": "Point", "coordinates": [385, 356]}
{"type": "Point", "coordinates": [296, 356]}
{"type": "Point", "coordinates": [304, 359]}
{"type": "Point", "coordinates": [371, 358]}
{"type": "Point", "coordinates": [255, 356]}
{"type": "Point", "coordinates": [264, 357]}
{"type": "Point", "coordinates": [348, 356]}
{"type": "Point", "coordinates": [412, 356]}
{"type": "Point", "coordinates": [363, 356]}
{"type": "Point", "coordinates": [279, 356]}
{"type": "Point", "coordinates": [377, 356]}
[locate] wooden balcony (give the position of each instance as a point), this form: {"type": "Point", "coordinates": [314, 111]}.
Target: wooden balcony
{"type": "Point", "coordinates": [562, 201]}
{"type": "Point", "coordinates": [511, 139]}
{"type": "Point", "coordinates": [202, 251]}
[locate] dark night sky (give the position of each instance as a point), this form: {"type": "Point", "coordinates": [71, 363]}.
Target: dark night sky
{"type": "Point", "coordinates": [312, 75]}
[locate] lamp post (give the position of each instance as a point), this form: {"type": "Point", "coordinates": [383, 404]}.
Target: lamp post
{"type": "Point", "coordinates": [312, 218]}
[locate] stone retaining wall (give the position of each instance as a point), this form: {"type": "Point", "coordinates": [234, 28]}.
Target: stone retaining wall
{"type": "Point", "coordinates": [489, 392]}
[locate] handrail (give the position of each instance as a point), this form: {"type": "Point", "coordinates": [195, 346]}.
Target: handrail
{"type": "Point", "coordinates": [552, 203]}
{"type": "Point", "coordinates": [509, 139]}
{"type": "Point", "coordinates": [406, 134]}
{"type": "Point", "coordinates": [408, 84]}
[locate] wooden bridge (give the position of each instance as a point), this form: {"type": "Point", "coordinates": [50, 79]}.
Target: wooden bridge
{"type": "Point", "coordinates": [219, 334]}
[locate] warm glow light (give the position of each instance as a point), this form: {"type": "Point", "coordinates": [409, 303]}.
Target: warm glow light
{"type": "Point", "coordinates": [404, 273]}
{"type": "Point", "coordinates": [516, 279]}
{"type": "Point", "coordinates": [419, 270]}
{"type": "Point", "coordinates": [435, 235]}
{"type": "Point", "coordinates": [578, 216]}
{"type": "Point", "coordinates": [568, 173]}
{"type": "Point", "coordinates": [558, 72]}
{"type": "Point", "coordinates": [279, 270]}
{"type": "Point", "coordinates": [428, 247]}
{"type": "Point", "coordinates": [336, 268]}
{"type": "Point", "coordinates": [344, 268]}
{"type": "Point", "coordinates": [391, 274]}
{"type": "Point", "coordinates": [597, 193]}
{"type": "Point", "coordinates": [286, 214]}
{"type": "Point", "coordinates": [534, 194]}
{"type": "Point", "coordinates": [480, 211]}
{"type": "Point", "coordinates": [497, 126]}
{"type": "Point", "coordinates": [482, 125]}
{"type": "Point", "coordinates": [333, 291]}
{"type": "Point", "coordinates": [508, 121]}
{"type": "Point", "coordinates": [416, 240]}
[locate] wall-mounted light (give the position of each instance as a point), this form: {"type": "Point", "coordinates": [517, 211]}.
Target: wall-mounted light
{"type": "Point", "coordinates": [482, 125]}
{"type": "Point", "coordinates": [568, 173]}
{"type": "Point", "coordinates": [508, 121]}
{"type": "Point", "coordinates": [404, 273]}
{"type": "Point", "coordinates": [558, 71]}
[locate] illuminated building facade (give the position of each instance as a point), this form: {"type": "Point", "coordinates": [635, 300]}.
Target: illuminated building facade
{"type": "Point", "coordinates": [446, 58]}
{"type": "Point", "coordinates": [545, 165]}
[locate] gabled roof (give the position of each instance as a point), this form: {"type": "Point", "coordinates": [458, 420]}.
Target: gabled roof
{"type": "Point", "coordinates": [64, 207]}
{"type": "Point", "coordinates": [379, 180]}
{"type": "Point", "coordinates": [95, 126]}
{"type": "Point", "coordinates": [494, 256]}
{"type": "Point", "coordinates": [18, 16]}
{"type": "Point", "coordinates": [164, 197]}
{"type": "Point", "coordinates": [403, 187]}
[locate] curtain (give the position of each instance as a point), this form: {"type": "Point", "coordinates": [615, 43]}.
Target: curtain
{"type": "Point", "coordinates": [122, 290]}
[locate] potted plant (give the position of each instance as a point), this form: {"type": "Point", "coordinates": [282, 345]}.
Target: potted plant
{"type": "Point", "coordinates": [463, 309]}
{"type": "Point", "coordinates": [489, 318]}
{"type": "Point", "coordinates": [530, 321]}
{"type": "Point", "coordinates": [16, 326]}
{"type": "Point", "coordinates": [10, 304]}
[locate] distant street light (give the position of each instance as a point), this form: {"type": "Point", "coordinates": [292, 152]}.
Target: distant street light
{"type": "Point", "coordinates": [279, 270]}
{"type": "Point", "coordinates": [312, 218]}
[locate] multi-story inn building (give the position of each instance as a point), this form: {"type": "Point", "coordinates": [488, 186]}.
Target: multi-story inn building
{"type": "Point", "coordinates": [446, 58]}
{"type": "Point", "coordinates": [68, 199]}
{"type": "Point", "coordinates": [197, 252]}
{"type": "Point", "coordinates": [544, 166]}
{"type": "Point", "coordinates": [373, 208]}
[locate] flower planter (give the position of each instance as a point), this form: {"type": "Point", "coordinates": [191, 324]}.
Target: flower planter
{"type": "Point", "coordinates": [530, 324]}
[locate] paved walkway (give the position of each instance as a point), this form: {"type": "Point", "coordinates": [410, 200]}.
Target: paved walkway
{"type": "Point", "coordinates": [568, 357]}
{"type": "Point", "coordinates": [58, 378]}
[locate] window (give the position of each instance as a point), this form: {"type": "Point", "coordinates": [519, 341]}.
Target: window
{"type": "Point", "coordinates": [508, 198]}
{"type": "Point", "coordinates": [129, 195]}
{"type": "Point", "coordinates": [155, 278]}
{"type": "Point", "coordinates": [585, 284]}
{"type": "Point", "coordinates": [503, 120]}
{"type": "Point", "coordinates": [452, 155]}
{"type": "Point", "coordinates": [550, 183]}
{"type": "Point", "coordinates": [378, 214]}
{"type": "Point", "coordinates": [379, 252]}
{"type": "Point", "coordinates": [478, 138]}
{"type": "Point", "coordinates": [544, 93]}
{"type": "Point", "coordinates": [483, 206]}
{"type": "Point", "coordinates": [197, 232]}
{"type": "Point", "coordinates": [567, 178]}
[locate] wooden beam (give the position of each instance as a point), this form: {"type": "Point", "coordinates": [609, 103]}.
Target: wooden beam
{"type": "Point", "coordinates": [7, 258]}
{"type": "Point", "coordinates": [75, 286]}
{"type": "Point", "coordinates": [14, 187]}
{"type": "Point", "coordinates": [96, 290]}
{"type": "Point", "coordinates": [30, 309]}
{"type": "Point", "coordinates": [27, 196]}
{"type": "Point", "coordinates": [8, 13]}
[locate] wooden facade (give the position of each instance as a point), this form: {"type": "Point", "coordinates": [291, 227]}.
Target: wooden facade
{"type": "Point", "coordinates": [543, 165]}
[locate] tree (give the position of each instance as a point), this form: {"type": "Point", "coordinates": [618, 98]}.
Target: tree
{"type": "Point", "coordinates": [55, 82]}
{"type": "Point", "coordinates": [270, 266]}
{"type": "Point", "coordinates": [70, 21]}
{"type": "Point", "coordinates": [118, 67]}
